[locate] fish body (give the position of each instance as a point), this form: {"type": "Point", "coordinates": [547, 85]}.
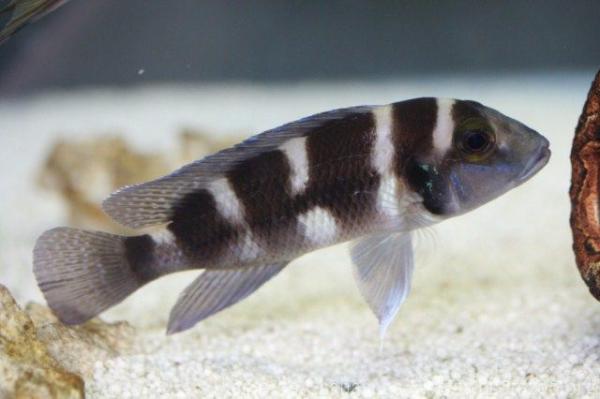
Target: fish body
{"type": "Point", "coordinates": [371, 174]}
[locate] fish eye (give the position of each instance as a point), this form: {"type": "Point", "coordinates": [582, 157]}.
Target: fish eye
{"type": "Point", "coordinates": [476, 141]}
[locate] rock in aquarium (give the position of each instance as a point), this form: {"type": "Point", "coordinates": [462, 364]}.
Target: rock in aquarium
{"type": "Point", "coordinates": [585, 179]}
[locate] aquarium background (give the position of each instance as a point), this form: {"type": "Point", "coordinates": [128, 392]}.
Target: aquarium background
{"type": "Point", "coordinates": [115, 42]}
{"type": "Point", "coordinates": [103, 93]}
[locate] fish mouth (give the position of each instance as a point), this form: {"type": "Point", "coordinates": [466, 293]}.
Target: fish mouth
{"type": "Point", "coordinates": [535, 164]}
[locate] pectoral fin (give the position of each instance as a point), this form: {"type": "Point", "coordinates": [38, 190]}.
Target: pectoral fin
{"type": "Point", "coordinates": [215, 290]}
{"type": "Point", "coordinates": [383, 266]}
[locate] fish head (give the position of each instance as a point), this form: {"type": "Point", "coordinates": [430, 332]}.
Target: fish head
{"type": "Point", "coordinates": [487, 155]}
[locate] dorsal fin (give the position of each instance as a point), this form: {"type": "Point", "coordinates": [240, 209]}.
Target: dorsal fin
{"type": "Point", "coordinates": [152, 203]}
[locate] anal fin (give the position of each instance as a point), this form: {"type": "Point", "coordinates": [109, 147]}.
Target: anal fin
{"type": "Point", "coordinates": [383, 267]}
{"type": "Point", "coordinates": [215, 290]}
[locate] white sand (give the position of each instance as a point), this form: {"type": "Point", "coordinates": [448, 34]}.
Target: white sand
{"type": "Point", "coordinates": [497, 309]}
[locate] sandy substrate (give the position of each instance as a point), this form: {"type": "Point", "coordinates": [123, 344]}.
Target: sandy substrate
{"type": "Point", "coordinates": [497, 309]}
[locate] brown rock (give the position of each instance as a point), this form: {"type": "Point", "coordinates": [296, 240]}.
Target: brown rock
{"type": "Point", "coordinates": [77, 348]}
{"type": "Point", "coordinates": [27, 370]}
{"type": "Point", "coordinates": [84, 172]}
{"type": "Point", "coordinates": [585, 182]}
{"type": "Point", "coordinates": [42, 358]}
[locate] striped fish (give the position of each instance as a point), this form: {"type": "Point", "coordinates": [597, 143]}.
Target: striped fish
{"type": "Point", "coordinates": [371, 174]}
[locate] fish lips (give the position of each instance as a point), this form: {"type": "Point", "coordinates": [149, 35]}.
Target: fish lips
{"type": "Point", "coordinates": [535, 163]}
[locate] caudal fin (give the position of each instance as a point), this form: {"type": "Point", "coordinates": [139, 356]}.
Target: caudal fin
{"type": "Point", "coordinates": [82, 273]}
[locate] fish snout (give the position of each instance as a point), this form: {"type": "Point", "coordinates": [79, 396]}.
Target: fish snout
{"type": "Point", "coordinates": [539, 158]}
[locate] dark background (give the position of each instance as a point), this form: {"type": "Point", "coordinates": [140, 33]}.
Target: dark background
{"type": "Point", "coordinates": [121, 42]}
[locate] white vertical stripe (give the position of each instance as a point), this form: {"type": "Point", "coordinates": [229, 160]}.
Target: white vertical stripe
{"type": "Point", "coordinates": [388, 198]}
{"type": "Point", "coordinates": [383, 151]}
{"type": "Point", "coordinates": [295, 150]}
{"type": "Point", "coordinates": [227, 202]}
{"type": "Point", "coordinates": [249, 249]}
{"type": "Point", "coordinates": [320, 226]}
{"type": "Point", "coordinates": [163, 236]}
{"type": "Point", "coordinates": [444, 126]}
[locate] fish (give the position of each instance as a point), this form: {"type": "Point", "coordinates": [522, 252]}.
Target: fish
{"type": "Point", "coordinates": [25, 12]}
{"type": "Point", "coordinates": [369, 175]}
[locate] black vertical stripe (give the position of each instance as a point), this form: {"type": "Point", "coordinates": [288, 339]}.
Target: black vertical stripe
{"type": "Point", "coordinates": [412, 134]}
{"type": "Point", "coordinates": [414, 123]}
{"type": "Point", "coordinates": [463, 110]}
{"type": "Point", "coordinates": [199, 229]}
{"type": "Point", "coordinates": [262, 186]}
{"type": "Point", "coordinates": [341, 176]}
{"type": "Point", "coordinates": [139, 252]}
